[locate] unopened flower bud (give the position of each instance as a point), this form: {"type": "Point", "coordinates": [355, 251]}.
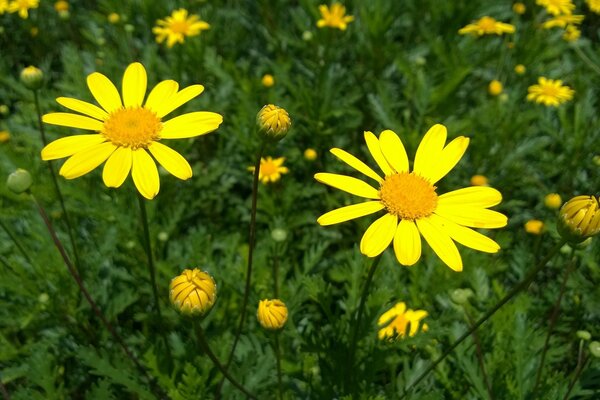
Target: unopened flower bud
{"type": "Point", "coordinates": [534, 226]}
{"type": "Point", "coordinates": [19, 181]}
{"type": "Point", "coordinates": [479, 180]}
{"type": "Point", "coordinates": [272, 314]}
{"type": "Point", "coordinates": [113, 18]}
{"type": "Point", "coordinates": [310, 154]}
{"type": "Point", "coordinates": [32, 77]}
{"type": "Point", "coordinates": [194, 292]}
{"type": "Point", "coordinates": [163, 236]}
{"type": "Point", "coordinates": [273, 122]}
{"type": "Point", "coordinates": [461, 296]}
{"type": "Point", "coordinates": [553, 200]}
{"type": "Point", "coordinates": [268, 80]}
{"type": "Point", "coordinates": [4, 136]}
{"type": "Point", "coordinates": [579, 219]}
{"type": "Point", "coordinates": [584, 335]}
{"type": "Point", "coordinates": [495, 87]}
{"type": "Point", "coordinates": [4, 110]}
{"type": "Point", "coordinates": [595, 348]}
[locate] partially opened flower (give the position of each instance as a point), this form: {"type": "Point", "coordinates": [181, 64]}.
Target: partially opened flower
{"type": "Point", "coordinates": [128, 132]}
{"type": "Point", "coordinates": [411, 204]}
{"type": "Point", "coordinates": [176, 27]}
{"type": "Point", "coordinates": [399, 321]}
{"type": "Point", "coordinates": [487, 26]}
{"type": "Point", "coordinates": [557, 7]}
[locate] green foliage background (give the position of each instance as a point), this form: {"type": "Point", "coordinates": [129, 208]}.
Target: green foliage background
{"type": "Point", "coordinates": [400, 65]}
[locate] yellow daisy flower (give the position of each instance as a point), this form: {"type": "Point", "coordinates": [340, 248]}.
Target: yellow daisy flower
{"type": "Point", "coordinates": [549, 92]}
{"type": "Point", "coordinates": [270, 169]}
{"type": "Point", "coordinates": [399, 321]}
{"type": "Point", "coordinates": [487, 26]}
{"type": "Point", "coordinates": [334, 17]}
{"type": "Point", "coordinates": [177, 26]}
{"type": "Point", "coordinates": [562, 21]}
{"type": "Point", "coordinates": [412, 206]}
{"type": "Point", "coordinates": [23, 7]}
{"type": "Point", "coordinates": [557, 7]}
{"type": "Point", "coordinates": [128, 131]}
{"type": "Point", "coordinates": [594, 5]}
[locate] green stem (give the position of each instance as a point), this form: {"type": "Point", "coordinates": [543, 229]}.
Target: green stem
{"type": "Point", "coordinates": [3, 390]}
{"type": "Point", "coordinates": [73, 272]}
{"type": "Point", "coordinates": [586, 60]}
{"type": "Point", "coordinates": [278, 358]}
{"type": "Point", "coordinates": [356, 326]}
{"type": "Point", "coordinates": [480, 358]}
{"type": "Point", "coordinates": [148, 249]}
{"type": "Point", "coordinates": [522, 285]}
{"type": "Point", "coordinates": [16, 242]}
{"type": "Point", "coordinates": [276, 273]}
{"type": "Point", "coordinates": [578, 370]}
{"type": "Point", "coordinates": [552, 323]}
{"type": "Point", "coordinates": [61, 199]}
{"type": "Point", "coordinates": [206, 348]}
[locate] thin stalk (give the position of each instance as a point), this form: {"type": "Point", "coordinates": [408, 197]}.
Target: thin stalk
{"type": "Point", "coordinates": [276, 273]}
{"type": "Point", "coordinates": [16, 242]}
{"type": "Point", "coordinates": [206, 348]}
{"type": "Point", "coordinates": [279, 375]}
{"type": "Point", "coordinates": [73, 271]}
{"type": "Point", "coordinates": [578, 370]}
{"type": "Point", "coordinates": [520, 286]}
{"type": "Point", "coordinates": [587, 60]}
{"type": "Point", "coordinates": [480, 358]}
{"type": "Point", "coordinates": [552, 323]}
{"type": "Point", "coordinates": [4, 391]}
{"type": "Point", "coordinates": [61, 199]}
{"type": "Point", "coordinates": [361, 308]}
{"type": "Point", "coordinates": [148, 249]}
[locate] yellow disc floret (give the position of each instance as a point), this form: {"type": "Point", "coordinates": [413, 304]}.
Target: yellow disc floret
{"type": "Point", "coordinates": [134, 127]}
{"type": "Point", "coordinates": [408, 196]}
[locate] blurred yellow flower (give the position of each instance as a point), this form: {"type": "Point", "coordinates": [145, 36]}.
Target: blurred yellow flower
{"type": "Point", "coordinates": [272, 314]}
{"type": "Point", "coordinates": [193, 292]}
{"type": "Point", "coordinates": [399, 321]}
{"type": "Point", "coordinates": [22, 7]}
{"type": "Point", "coordinates": [549, 92]}
{"type": "Point", "coordinates": [580, 218]}
{"type": "Point", "coordinates": [273, 121]}
{"type": "Point", "coordinates": [3, 6]}
{"type": "Point", "coordinates": [4, 136]}
{"type": "Point", "coordinates": [519, 8]}
{"type": "Point", "coordinates": [268, 80]}
{"type": "Point", "coordinates": [557, 7]}
{"type": "Point", "coordinates": [520, 69]}
{"type": "Point", "coordinates": [553, 200]}
{"type": "Point", "coordinates": [571, 34]}
{"type": "Point", "coordinates": [270, 169]}
{"type": "Point", "coordinates": [334, 17]}
{"type": "Point", "coordinates": [113, 18]}
{"type": "Point", "coordinates": [495, 87]}
{"type": "Point", "coordinates": [178, 26]}
{"type": "Point", "coordinates": [410, 202]}
{"type": "Point", "coordinates": [561, 21]}
{"type": "Point", "coordinates": [128, 130]}
{"type": "Point", "coordinates": [61, 6]}
{"type": "Point", "coordinates": [479, 180]}
{"type": "Point", "coordinates": [487, 26]}
{"type": "Point", "coordinates": [310, 154]}
{"type": "Point", "coordinates": [534, 226]}
{"type": "Point", "coordinates": [594, 5]}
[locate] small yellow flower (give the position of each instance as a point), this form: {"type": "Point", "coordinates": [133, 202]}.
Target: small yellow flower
{"type": "Point", "coordinates": [61, 6]}
{"type": "Point", "coordinates": [310, 154]}
{"type": "Point", "coordinates": [561, 21]}
{"type": "Point", "coordinates": [579, 218]}
{"type": "Point", "coordinates": [268, 80]}
{"type": "Point", "coordinates": [571, 34]}
{"type": "Point", "coordinates": [399, 321]}
{"type": "Point", "coordinates": [534, 226]}
{"type": "Point", "coordinates": [4, 136]}
{"type": "Point", "coordinates": [479, 180]}
{"type": "Point", "coordinates": [274, 122]}
{"type": "Point", "coordinates": [32, 77]}
{"type": "Point", "coordinates": [553, 200]}
{"type": "Point", "coordinates": [334, 17]}
{"type": "Point", "coordinates": [113, 18]}
{"type": "Point", "coordinates": [557, 7]}
{"type": "Point", "coordinates": [520, 69]}
{"type": "Point", "coordinates": [194, 292]}
{"type": "Point", "coordinates": [270, 169]}
{"type": "Point", "coordinates": [594, 5]}
{"type": "Point", "coordinates": [487, 26]}
{"type": "Point", "coordinates": [549, 92]}
{"type": "Point", "coordinates": [23, 7]}
{"type": "Point", "coordinates": [519, 8]}
{"type": "Point", "coordinates": [272, 314]}
{"type": "Point", "coordinates": [495, 87]}
{"type": "Point", "coordinates": [178, 26]}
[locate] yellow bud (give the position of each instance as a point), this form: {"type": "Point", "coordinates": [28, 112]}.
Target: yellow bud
{"type": "Point", "coordinates": [310, 154]}
{"type": "Point", "coordinates": [194, 292]}
{"type": "Point", "coordinates": [268, 80]}
{"type": "Point", "coordinates": [519, 8]}
{"type": "Point", "coordinates": [61, 5]}
{"type": "Point", "coordinates": [579, 219]}
{"type": "Point", "coordinates": [520, 69]}
{"type": "Point", "coordinates": [553, 201]}
{"type": "Point", "coordinates": [32, 77]}
{"type": "Point", "coordinates": [4, 136]}
{"type": "Point", "coordinates": [274, 122]}
{"type": "Point", "coordinates": [272, 314]}
{"type": "Point", "coordinates": [113, 18]}
{"type": "Point", "coordinates": [534, 226]}
{"type": "Point", "coordinates": [479, 180]}
{"type": "Point", "coordinates": [495, 87]}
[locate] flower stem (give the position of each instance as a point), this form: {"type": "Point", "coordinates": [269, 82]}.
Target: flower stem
{"type": "Point", "coordinates": [61, 199]}
{"type": "Point", "coordinates": [73, 271]}
{"type": "Point", "coordinates": [552, 323]}
{"type": "Point", "coordinates": [581, 362]}
{"type": "Point", "coordinates": [276, 273]}
{"type": "Point", "coordinates": [355, 327]}
{"type": "Point", "coordinates": [4, 391]}
{"type": "Point", "coordinates": [17, 243]}
{"type": "Point", "coordinates": [279, 375]}
{"type": "Point", "coordinates": [587, 60]}
{"type": "Point", "coordinates": [523, 284]}
{"type": "Point", "coordinates": [148, 249]}
{"type": "Point", "coordinates": [480, 358]}
{"type": "Point", "coordinates": [206, 348]}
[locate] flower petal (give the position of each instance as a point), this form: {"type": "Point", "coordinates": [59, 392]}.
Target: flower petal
{"type": "Point", "coordinates": [86, 160]}
{"type": "Point", "coordinates": [407, 243]}
{"type": "Point", "coordinates": [105, 93]}
{"type": "Point", "coordinates": [476, 196]}
{"type": "Point", "coordinates": [440, 242]}
{"type": "Point", "coordinates": [347, 213]}
{"type": "Point", "coordinates": [162, 91]}
{"type": "Point", "coordinates": [379, 235]}
{"type": "Point", "coordinates": [145, 174]}
{"type": "Point", "coordinates": [393, 150]}
{"type": "Point", "coordinates": [348, 184]}
{"type": "Point", "coordinates": [449, 157]}
{"type": "Point", "coordinates": [190, 125]}
{"type": "Point", "coordinates": [73, 121]}
{"type": "Point", "coordinates": [83, 107]}
{"type": "Point", "coordinates": [171, 160]}
{"type": "Point", "coordinates": [134, 85]}
{"type": "Point", "coordinates": [375, 150]}
{"type": "Point", "coordinates": [465, 236]}
{"type": "Point", "coordinates": [429, 151]}
{"type": "Point", "coordinates": [355, 163]}
{"type": "Point", "coordinates": [178, 99]}
{"type": "Point", "coordinates": [474, 217]}
{"type": "Point", "coordinates": [117, 167]}
{"type": "Point", "coordinates": [69, 145]}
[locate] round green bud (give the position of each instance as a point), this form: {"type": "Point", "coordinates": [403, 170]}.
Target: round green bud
{"type": "Point", "coordinates": [32, 77]}
{"type": "Point", "coordinates": [595, 348]}
{"type": "Point", "coordinates": [461, 296]}
{"type": "Point", "coordinates": [584, 335]}
{"type": "Point", "coordinates": [19, 181]}
{"type": "Point", "coordinates": [279, 235]}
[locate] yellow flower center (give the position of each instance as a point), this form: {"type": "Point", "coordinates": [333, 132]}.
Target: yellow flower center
{"type": "Point", "coordinates": [550, 90]}
{"type": "Point", "coordinates": [133, 127]}
{"type": "Point", "coordinates": [268, 168]}
{"type": "Point", "coordinates": [408, 196]}
{"type": "Point", "coordinates": [487, 24]}
{"type": "Point", "coordinates": [180, 26]}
